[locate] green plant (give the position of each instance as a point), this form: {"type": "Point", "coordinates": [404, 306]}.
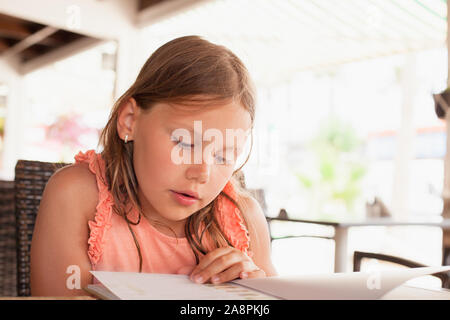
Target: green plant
{"type": "Point", "coordinates": [337, 171]}
{"type": "Point", "coordinates": [2, 126]}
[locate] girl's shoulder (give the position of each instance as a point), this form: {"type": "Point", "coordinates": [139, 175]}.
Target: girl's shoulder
{"type": "Point", "coordinates": [76, 184]}
{"type": "Point", "coordinates": [251, 209]}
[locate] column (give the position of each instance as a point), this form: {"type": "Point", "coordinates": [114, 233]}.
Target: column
{"type": "Point", "coordinates": [446, 189]}
{"type": "Point", "coordinates": [405, 138]}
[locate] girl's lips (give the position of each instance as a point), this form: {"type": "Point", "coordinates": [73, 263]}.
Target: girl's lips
{"type": "Point", "coordinates": [182, 199]}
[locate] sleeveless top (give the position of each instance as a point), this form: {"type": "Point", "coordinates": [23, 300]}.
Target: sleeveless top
{"type": "Point", "coordinates": [111, 246]}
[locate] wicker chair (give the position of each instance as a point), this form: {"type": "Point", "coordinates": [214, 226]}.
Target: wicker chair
{"type": "Point", "coordinates": [30, 180]}
{"type": "Point", "coordinates": [8, 264]}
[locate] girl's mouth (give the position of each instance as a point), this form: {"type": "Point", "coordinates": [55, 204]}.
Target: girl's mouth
{"type": "Point", "coordinates": [183, 199]}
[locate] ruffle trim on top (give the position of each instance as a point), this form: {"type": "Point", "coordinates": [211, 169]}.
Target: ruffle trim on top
{"type": "Point", "coordinates": [231, 221]}
{"type": "Point", "coordinates": [104, 207]}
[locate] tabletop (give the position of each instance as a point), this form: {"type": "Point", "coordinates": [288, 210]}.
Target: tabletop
{"type": "Point", "coordinates": [403, 292]}
{"type": "Point", "coordinates": [49, 298]}
{"type": "Point", "coordinates": [436, 221]}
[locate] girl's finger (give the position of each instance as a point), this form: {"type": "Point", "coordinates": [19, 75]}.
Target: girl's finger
{"type": "Point", "coordinates": [258, 273]}
{"type": "Point", "coordinates": [233, 272]}
{"type": "Point", "coordinates": [219, 265]}
{"type": "Point", "coordinates": [208, 259]}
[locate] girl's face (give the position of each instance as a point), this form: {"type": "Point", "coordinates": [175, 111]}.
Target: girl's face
{"type": "Point", "coordinates": [157, 156]}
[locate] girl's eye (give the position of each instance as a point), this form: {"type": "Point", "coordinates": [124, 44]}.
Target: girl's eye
{"type": "Point", "coordinates": [184, 145]}
{"type": "Point", "coordinates": [222, 160]}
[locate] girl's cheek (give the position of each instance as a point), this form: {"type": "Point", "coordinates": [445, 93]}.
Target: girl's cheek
{"type": "Point", "coordinates": [167, 157]}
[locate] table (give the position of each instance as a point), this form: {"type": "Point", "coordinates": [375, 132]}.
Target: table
{"type": "Point", "coordinates": [403, 292]}
{"type": "Point", "coordinates": [406, 292]}
{"type": "Point", "coordinates": [49, 298]}
{"type": "Point", "coordinates": [341, 231]}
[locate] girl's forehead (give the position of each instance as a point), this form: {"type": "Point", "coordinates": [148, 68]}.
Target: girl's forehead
{"type": "Point", "coordinates": [230, 114]}
{"type": "Point", "coordinates": [199, 108]}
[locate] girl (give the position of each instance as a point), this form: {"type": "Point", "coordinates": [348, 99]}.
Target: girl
{"type": "Point", "coordinates": [134, 207]}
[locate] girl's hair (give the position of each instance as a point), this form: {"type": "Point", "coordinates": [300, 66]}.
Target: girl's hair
{"type": "Point", "coordinates": [190, 71]}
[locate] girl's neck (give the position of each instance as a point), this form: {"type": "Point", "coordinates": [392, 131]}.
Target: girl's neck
{"type": "Point", "coordinates": [162, 225]}
{"type": "Point", "coordinates": [169, 231]}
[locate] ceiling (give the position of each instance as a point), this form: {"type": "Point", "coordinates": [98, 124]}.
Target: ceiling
{"type": "Point", "coordinates": [277, 38]}
{"type": "Point", "coordinates": [280, 38]}
{"type": "Point", "coordinates": [25, 41]}
{"type": "Point", "coordinates": [144, 4]}
{"type": "Point", "coordinates": [29, 40]}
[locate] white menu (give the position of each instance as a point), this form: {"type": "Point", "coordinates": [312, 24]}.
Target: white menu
{"type": "Point", "coordinates": [335, 286]}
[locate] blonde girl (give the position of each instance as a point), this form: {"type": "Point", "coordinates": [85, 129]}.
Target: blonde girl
{"type": "Point", "coordinates": [134, 207]}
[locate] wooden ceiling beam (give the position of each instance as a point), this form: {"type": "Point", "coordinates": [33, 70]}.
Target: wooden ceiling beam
{"type": "Point", "coordinates": [144, 4]}
{"type": "Point", "coordinates": [163, 9]}
{"type": "Point", "coordinates": [31, 53]}
{"type": "Point", "coordinates": [30, 40]}
{"type": "Point", "coordinates": [3, 46]}
{"type": "Point", "coordinates": [14, 30]}
{"type": "Point", "coordinates": [54, 55]}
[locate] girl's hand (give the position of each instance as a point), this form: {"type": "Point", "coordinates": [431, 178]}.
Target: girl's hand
{"type": "Point", "coordinates": [225, 264]}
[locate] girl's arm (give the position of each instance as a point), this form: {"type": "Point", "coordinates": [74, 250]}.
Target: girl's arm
{"type": "Point", "coordinates": [59, 261]}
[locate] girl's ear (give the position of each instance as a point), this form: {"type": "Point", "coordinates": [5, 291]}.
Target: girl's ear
{"type": "Point", "coordinates": [126, 119]}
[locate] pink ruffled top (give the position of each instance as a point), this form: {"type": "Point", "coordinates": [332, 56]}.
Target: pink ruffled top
{"type": "Point", "coordinates": [111, 246]}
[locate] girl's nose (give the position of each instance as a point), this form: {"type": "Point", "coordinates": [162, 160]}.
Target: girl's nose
{"type": "Point", "coordinates": [200, 172]}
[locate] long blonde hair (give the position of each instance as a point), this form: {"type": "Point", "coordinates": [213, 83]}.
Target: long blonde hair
{"type": "Point", "coordinates": [185, 70]}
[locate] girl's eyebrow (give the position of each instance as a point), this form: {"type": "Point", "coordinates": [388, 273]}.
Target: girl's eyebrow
{"type": "Point", "coordinates": [179, 125]}
{"type": "Point", "coordinates": [173, 127]}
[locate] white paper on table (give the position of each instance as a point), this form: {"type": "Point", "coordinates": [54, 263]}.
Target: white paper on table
{"type": "Point", "coordinates": [337, 286]}
{"type": "Point", "coordinates": [156, 286]}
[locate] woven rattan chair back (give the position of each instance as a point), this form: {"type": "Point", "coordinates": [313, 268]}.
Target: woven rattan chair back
{"type": "Point", "coordinates": [8, 263]}
{"type": "Point", "coordinates": [30, 180]}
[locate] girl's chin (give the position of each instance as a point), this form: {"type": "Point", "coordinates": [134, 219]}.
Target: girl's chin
{"type": "Point", "coordinates": [180, 214]}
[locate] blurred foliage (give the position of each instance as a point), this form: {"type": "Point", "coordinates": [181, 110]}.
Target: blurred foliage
{"type": "Point", "coordinates": [67, 133]}
{"type": "Point", "coordinates": [338, 169]}
{"type": "Point", "coordinates": [2, 126]}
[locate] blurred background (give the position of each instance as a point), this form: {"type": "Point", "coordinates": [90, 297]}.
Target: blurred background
{"type": "Point", "coordinates": [346, 122]}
